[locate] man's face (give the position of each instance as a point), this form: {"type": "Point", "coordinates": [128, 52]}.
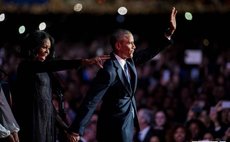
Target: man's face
{"type": "Point", "coordinates": [125, 47]}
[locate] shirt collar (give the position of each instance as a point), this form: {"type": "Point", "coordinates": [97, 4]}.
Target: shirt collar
{"type": "Point", "coordinates": [120, 60]}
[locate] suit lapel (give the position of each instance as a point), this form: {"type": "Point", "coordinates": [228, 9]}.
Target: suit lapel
{"type": "Point", "coordinates": [122, 76]}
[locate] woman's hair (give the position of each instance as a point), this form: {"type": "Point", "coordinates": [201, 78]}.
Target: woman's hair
{"type": "Point", "coordinates": [33, 42]}
{"type": "Point", "coordinates": [172, 131]}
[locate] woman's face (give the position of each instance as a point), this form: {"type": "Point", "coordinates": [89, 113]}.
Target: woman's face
{"type": "Point", "coordinates": [44, 51]}
{"type": "Point", "coordinates": [160, 118]}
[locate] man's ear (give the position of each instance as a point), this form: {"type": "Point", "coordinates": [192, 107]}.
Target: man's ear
{"type": "Point", "coordinates": [117, 45]}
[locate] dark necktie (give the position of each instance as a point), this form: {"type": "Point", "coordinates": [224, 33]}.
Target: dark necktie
{"type": "Point", "coordinates": [126, 69]}
{"type": "Point", "coordinates": [127, 74]}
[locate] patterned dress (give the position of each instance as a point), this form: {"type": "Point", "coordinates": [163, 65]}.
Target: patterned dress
{"type": "Point", "coordinates": [32, 98]}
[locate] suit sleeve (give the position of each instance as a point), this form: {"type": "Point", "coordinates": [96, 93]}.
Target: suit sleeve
{"type": "Point", "coordinates": [156, 46]}
{"type": "Point", "coordinates": [100, 85]}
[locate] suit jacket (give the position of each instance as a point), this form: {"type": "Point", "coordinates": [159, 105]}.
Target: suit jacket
{"type": "Point", "coordinates": [116, 121]}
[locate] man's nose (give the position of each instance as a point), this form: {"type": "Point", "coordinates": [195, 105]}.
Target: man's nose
{"type": "Point", "coordinates": [47, 51]}
{"type": "Point", "coordinates": [134, 46]}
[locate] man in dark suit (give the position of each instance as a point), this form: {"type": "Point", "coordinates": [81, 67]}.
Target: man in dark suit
{"type": "Point", "coordinates": [117, 117]}
{"type": "Point", "coordinates": [145, 118]}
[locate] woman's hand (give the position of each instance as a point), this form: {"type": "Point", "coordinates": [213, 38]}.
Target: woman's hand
{"type": "Point", "coordinates": [99, 60]}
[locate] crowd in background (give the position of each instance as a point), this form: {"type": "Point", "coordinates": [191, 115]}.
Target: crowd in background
{"type": "Point", "coordinates": [179, 95]}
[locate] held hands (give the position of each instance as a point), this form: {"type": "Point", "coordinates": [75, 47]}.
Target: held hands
{"type": "Point", "coordinates": [97, 60]}
{"type": "Point", "coordinates": [172, 26]}
{"type": "Point", "coordinates": [13, 137]}
{"type": "Point", "coordinates": [10, 138]}
{"type": "Point", "coordinates": [73, 137]}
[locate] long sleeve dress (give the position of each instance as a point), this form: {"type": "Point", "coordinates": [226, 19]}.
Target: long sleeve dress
{"type": "Point", "coordinates": [33, 106]}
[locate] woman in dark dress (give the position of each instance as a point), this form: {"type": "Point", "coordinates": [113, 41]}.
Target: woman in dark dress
{"type": "Point", "coordinates": [33, 106]}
